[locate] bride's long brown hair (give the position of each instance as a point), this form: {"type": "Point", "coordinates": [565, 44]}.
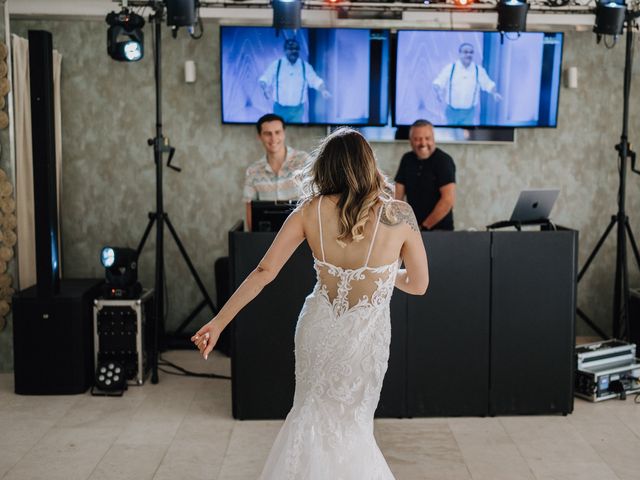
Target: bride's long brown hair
{"type": "Point", "coordinates": [344, 165]}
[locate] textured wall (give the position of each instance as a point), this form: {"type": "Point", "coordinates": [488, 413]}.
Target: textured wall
{"type": "Point", "coordinates": [109, 176]}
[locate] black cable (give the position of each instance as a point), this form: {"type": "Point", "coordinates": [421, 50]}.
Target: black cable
{"type": "Point", "coordinates": [188, 373]}
{"type": "Point", "coordinates": [197, 27]}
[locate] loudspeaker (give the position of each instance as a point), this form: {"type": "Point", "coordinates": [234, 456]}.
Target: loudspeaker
{"type": "Point", "coordinates": [53, 339]}
{"type": "Point", "coordinates": [181, 13]}
{"type": "Point", "coordinates": [44, 162]}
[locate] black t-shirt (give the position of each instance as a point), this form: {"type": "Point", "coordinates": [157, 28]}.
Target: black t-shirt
{"type": "Point", "coordinates": [422, 180]}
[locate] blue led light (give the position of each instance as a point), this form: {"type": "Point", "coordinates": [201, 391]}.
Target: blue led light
{"type": "Point", "coordinates": [107, 257]}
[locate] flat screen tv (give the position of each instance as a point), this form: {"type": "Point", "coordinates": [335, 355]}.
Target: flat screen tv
{"type": "Point", "coordinates": [478, 79]}
{"type": "Point", "coordinates": [322, 76]}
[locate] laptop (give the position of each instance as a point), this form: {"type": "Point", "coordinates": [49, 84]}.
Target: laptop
{"type": "Point", "coordinates": [534, 205]}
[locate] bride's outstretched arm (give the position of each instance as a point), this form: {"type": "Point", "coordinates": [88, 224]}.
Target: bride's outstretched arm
{"type": "Point", "coordinates": [286, 242]}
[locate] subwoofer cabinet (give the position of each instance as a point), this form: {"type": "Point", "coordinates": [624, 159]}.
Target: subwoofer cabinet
{"type": "Point", "coordinates": [52, 339]}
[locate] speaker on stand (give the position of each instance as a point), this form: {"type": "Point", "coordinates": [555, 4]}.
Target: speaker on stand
{"type": "Point", "coordinates": [52, 334]}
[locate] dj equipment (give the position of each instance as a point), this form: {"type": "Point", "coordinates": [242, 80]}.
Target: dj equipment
{"type": "Point", "coordinates": [606, 370]}
{"type": "Point", "coordinates": [120, 334]}
{"type": "Point", "coordinates": [268, 216]}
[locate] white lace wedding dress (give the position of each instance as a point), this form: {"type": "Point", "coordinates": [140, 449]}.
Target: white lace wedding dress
{"type": "Point", "coordinates": [341, 350]}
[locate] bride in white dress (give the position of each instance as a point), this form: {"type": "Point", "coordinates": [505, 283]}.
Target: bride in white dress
{"type": "Point", "coordinates": [358, 234]}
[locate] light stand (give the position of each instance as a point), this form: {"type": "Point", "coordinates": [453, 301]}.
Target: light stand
{"type": "Point", "coordinates": [160, 217]}
{"type": "Point", "coordinates": [620, 219]}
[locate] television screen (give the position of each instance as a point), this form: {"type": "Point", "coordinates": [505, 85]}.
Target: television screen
{"type": "Point", "coordinates": [484, 79]}
{"type": "Point", "coordinates": [329, 76]}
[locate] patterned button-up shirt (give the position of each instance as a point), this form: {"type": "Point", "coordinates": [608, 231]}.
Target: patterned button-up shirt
{"type": "Point", "coordinates": [262, 183]}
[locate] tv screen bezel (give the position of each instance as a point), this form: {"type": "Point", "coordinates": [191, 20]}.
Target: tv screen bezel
{"type": "Point", "coordinates": [395, 87]}
{"type": "Point", "coordinates": [308, 124]}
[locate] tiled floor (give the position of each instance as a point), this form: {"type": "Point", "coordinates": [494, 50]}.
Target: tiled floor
{"type": "Point", "coordinates": [182, 428]}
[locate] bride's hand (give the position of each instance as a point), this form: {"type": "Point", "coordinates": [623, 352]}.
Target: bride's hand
{"type": "Point", "coordinates": [206, 338]}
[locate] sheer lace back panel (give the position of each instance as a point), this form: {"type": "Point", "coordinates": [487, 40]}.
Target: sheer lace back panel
{"type": "Point", "coordinates": [350, 288]}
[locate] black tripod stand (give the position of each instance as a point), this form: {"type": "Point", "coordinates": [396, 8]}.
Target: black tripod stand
{"type": "Point", "coordinates": [160, 217]}
{"type": "Point", "coordinates": [620, 219]}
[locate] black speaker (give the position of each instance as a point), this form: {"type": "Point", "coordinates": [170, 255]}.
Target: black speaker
{"type": "Point", "coordinates": [181, 13]}
{"type": "Point", "coordinates": [44, 162]}
{"type": "Point", "coordinates": [53, 339]}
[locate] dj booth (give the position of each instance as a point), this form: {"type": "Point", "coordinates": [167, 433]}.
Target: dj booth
{"type": "Point", "coordinates": [493, 335]}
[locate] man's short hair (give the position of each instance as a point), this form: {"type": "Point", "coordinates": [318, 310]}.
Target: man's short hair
{"type": "Point", "coordinates": [269, 117]}
{"type": "Point", "coordinates": [421, 123]}
{"type": "Point", "coordinates": [465, 44]}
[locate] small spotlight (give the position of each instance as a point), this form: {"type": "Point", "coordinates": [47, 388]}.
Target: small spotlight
{"type": "Point", "coordinates": [286, 14]}
{"type": "Point", "coordinates": [125, 40]}
{"type": "Point", "coordinates": [121, 272]}
{"type": "Point", "coordinates": [107, 257]}
{"type": "Point", "coordinates": [512, 15]}
{"type": "Point", "coordinates": [110, 379]}
{"type": "Point", "coordinates": [609, 18]}
{"type": "Point", "coordinates": [463, 3]}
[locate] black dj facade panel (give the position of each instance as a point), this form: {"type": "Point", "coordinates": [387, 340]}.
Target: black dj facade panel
{"type": "Point", "coordinates": [393, 397]}
{"type": "Point", "coordinates": [492, 335]}
{"type": "Point", "coordinates": [448, 328]}
{"type": "Point", "coordinates": [533, 321]}
{"type": "Point", "coordinates": [263, 376]}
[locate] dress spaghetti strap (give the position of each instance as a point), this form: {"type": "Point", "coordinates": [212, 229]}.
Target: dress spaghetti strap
{"type": "Point", "coordinates": [373, 238]}
{"type": "Point", "coordinates": [320, 225]}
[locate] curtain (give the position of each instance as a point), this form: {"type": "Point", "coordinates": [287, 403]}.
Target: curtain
{"type": "Point", "coordinates": [26, 248]}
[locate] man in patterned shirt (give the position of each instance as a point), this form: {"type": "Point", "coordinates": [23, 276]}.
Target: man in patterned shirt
{"type": "Point", "coordinates": [273, 177]}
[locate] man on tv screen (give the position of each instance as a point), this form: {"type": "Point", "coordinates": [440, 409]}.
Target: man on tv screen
{"type": "Point", "coordinates": [427, 177]}
{"type": "Point", "coordinates": [286, 82]}
{"type": "Point", "coordinates": [273, 177]}
{"type": "Point", "coordinates": [458, 87]}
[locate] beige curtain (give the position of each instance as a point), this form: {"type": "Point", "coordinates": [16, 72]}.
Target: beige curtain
{"type": "Point", "coordinates": [24, 158]}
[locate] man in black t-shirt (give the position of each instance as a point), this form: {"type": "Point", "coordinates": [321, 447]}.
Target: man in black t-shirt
{"type": "Point", "coordinates": [427, 177]}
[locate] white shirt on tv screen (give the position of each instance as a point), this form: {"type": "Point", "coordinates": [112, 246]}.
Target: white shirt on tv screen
{"type": "Point", "coordinates": [290, 82]}
{"type": "Point", "coordinates": [462, 88]}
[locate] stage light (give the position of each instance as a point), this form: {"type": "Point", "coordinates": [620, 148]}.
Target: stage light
{"type": "Point", "coordinates": [121, 272]}
{"type": "Point", "coordinates": [286, 14]}
{"type": "Point", "coordinates": [110, 379]}
{"type": "Point", "coordinates": [125, 40]}
{"type": "Point", "coordinates": [463, 3]}
{"type": "Point", "coordinates": [512, 15]}
{"type": "Point", "coordinates": [609, 18]}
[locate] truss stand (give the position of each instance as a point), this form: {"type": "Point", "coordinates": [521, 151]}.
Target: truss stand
{"type": "Point", "coordinates": [160, 217]}
{"type": "Point", "coordinates": [620, 324]}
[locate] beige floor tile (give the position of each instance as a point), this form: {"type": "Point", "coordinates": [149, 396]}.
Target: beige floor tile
{"type": "Point", "coordinates": [158, 417]}
{"type": "Point", "coordinates": [488, 451]}
{"type": "Point", "coordinates": [615, 443]}
{"type": "Point", "coordinates": [421, 449]}
{"type": "Point", "coordinates": [18, 434]}
{"type": "Point", "coordinates": [199, 446]}
{"type": "Point", "coordinates": [182, 428]}
{"type": "Point", "coordinates": [572, 471]}
{"type": "Point", "coordinates": [64, 453]}
{"type": "Point", "coordinates": [249, 447]}
{"type": "Point", "coordinates": [129, 462]}
{"type": "Point", "coordinates": [553, 448]}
